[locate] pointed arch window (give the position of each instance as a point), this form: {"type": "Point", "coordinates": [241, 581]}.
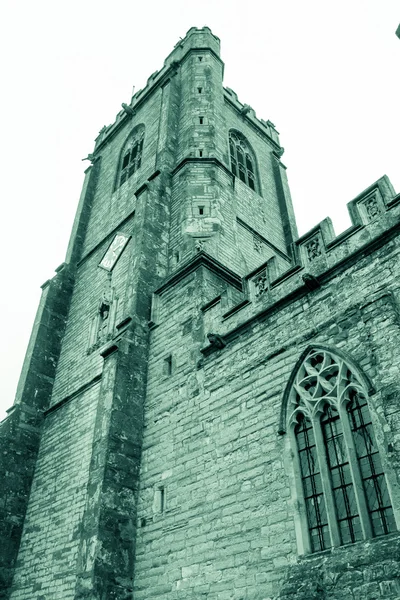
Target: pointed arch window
{"type": "Point", "coordinates": [131, 156]}
{"type": "Point", "coordinates": [341, 485]}
{"type": "Point", "coordinates": [243, 163]}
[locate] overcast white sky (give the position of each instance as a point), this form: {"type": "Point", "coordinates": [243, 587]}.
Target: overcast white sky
{"type": "Point", "coordinates": [326, 73]}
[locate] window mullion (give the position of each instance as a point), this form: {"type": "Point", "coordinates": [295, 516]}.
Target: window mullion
{"type": "Point", "coordinates": [355, 474]}
{"type": "Point", "coordinates": [301, 524]}
{"type": "Point", "coordinates": [326, 482]}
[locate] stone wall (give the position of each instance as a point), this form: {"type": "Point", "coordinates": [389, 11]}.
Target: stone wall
{"type": "Point", "coordinates": [196, 379]}
{"type": "Point", "coordinates": [211, 443]}
{"type": "Point", "coordinates": [51, 532]}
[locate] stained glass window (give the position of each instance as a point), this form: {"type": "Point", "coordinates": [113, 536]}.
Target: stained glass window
{"type": "Point", "coordinates": [242, 160]}
{"type": "Point", "coordinates": [344, 487]}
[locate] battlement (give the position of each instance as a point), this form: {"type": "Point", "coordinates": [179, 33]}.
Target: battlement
{"type": "Point", "coordinates": [199, 40]}
{"type": "Point", "coordinates": [317, 256]}
{"type": "Point", "coordinates": [246, 111]}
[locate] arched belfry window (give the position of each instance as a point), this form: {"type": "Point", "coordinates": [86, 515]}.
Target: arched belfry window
{"type": "Point", "coordinates": [243, 163]}
{"type": "Point", "coordinates": [131, 155]}
{"type": "Point", "coordinates": [340, 483]}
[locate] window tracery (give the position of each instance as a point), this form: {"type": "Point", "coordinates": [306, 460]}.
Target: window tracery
{"type": "Point", "coordinates": [243, 163]}
{"type": "Point", "coordinates": [341, 482]}
{"type": "Point", "coordinates": [131, 156]}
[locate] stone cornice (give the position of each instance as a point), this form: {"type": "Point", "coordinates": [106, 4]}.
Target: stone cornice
{"type": "Point", "coordinates": [263, 239]}
{"type": "Point", "coordinates": [209, 160]}
{"type": "Point", "coordinates": [83, 388]}
{"type": "Point", "coordinates": [257, 125]}
{"type": "Point", "coordinates": [302, 289]}
{"type": "Point", "coordinates": [202, 259]}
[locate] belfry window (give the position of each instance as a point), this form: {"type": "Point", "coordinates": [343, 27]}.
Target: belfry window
{"type": "Point", "coordinates": [340, 481]}
{"type": "Point", "coordinates": [242, 160]}
{"type": "Point", "coordinates": [131, 158]}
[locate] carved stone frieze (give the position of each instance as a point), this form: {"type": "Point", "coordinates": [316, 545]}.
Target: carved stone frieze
{"type": "Point", "coordinates": [313, 248]}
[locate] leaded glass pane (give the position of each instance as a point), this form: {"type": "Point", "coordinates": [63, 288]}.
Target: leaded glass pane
{"type": "Point", "coordinates": [131, 160]}
{"type": "Point", "coordinates": [134, 152]}
{"type": "Point", "coordinates": [242, 163]}
{"type": "Point", "coordinates": [125, 160]}
{"type": "Point", "coordinates": [312, 485]}
{"type": "Point", "coordinates": [242, 174]}
{"type": "Point", "coordinates": [324, 377]}
{"type": "Point", "coordinates": [373, 478]}
{"type": "Point", "coordinates": [342, 484]}
{"type": "Point", "coordinates": [234, 167]}
{"type": "Point", "coordinates": [249, 164]}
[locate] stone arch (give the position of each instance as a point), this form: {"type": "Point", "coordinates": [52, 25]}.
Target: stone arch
{"type": "Point", "coordinates": [335, 352]}
{"type": "Point", "coordinates": [130, 157]}
{"type": "Point", "coordinates": [243, 160]}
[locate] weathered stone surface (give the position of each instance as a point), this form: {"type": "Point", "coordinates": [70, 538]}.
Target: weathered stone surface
{"type": "Point", "coordinates": [149, 433]}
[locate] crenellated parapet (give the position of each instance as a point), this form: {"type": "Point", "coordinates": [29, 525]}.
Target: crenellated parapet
{"type": "Point", "coordinates": [200, 41]}
{"type": "Point", "coordinates": [265, 128]}
{"type": "Point", "coordinates": [317, 257]}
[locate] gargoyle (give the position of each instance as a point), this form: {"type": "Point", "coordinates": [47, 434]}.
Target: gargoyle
{"type": "Point", "coordinates": [311, 281]}
{"type": "Point", "coordinates": [216, 340]}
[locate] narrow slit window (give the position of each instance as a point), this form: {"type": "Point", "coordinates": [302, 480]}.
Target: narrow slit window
{"type": "Point", "coordinates": [159, 500]}
{"type": "Point", "coordinates": [200, 153]}
{"type": "Point", "coordinates": [162, 499]}
{"type": "Point", "coordinates": [200, 58]}
{"type": "Point", "coordinates": [200, 90]}
{"type": "Point", "coordinates": [201, 210]}
{"type": "Point", "coordinates": [168, 362]}
{"type": "Point", "coordinates": [201, 120]}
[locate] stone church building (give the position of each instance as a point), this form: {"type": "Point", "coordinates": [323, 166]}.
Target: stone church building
{"type": "Point", "coordinates": [209, 404]}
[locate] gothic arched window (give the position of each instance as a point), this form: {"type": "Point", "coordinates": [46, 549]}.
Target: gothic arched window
{"type": "Point", "coordinates": [131, 155]}
{"type": "Point", "coordinates": [341, 487]}
{"type": "Point", "coordinates": [243, 163]}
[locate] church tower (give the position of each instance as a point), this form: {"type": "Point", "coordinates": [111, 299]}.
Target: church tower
{"type": "Point", "coordinates": [147, 454]}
